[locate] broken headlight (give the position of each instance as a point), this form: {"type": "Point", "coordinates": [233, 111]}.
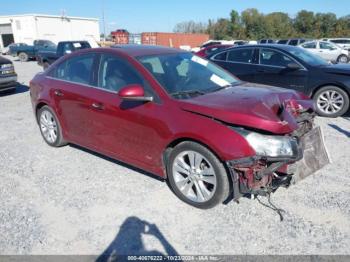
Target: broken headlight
{"type": "Point", "coordinates": [270, 145]}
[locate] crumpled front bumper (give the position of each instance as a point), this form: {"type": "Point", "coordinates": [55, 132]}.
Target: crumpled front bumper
{"type": "Point", "coordinates": [315, 156]}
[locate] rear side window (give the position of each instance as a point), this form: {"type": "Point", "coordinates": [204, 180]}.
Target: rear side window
{"type": "Point", "coordinates": [282, 42]}
{"type": "Point", "coordinates": [77, 69]}
{"type": "Point", "coordinates": [241, 55]}
{"type": "Point", "coordinates": [273, 58]}
{"type": "Point", "coordinates": [309, 45]}
{"type": "Point", "coordinates": [221, 56]}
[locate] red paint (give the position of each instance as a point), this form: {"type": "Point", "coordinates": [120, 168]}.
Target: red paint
{"type": "Point", "coordinates": [139, 132]}
{"type": "Point", "coordinates": [203, 51]}
{"type": "Point", "coordinates": [131, 91]}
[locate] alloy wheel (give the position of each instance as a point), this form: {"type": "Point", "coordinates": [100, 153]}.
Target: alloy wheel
{"type": "Point", "coordinates": [330, 102]}
{"type": "Point", "coordinates": [48, 126]}
{"type": "Point", "coordinates": [194, 176]}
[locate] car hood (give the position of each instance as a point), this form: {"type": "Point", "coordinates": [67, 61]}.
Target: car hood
{"type": "Point", "coordinates": [250, 105]}
{"type": "Point", "coordinates": [4, 60]}
{"type": "Point", "coordinates": [343, 69]}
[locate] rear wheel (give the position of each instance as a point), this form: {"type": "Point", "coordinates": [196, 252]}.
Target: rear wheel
{"type": "Point", "coordinates": [343, 59]}
{"type": "Point", "coordinates": [331, 101]}
{"type": "Point", "coordinates": [23, 57]}
{"type": "Point", "coordinates": [197, 176]}
{"type": "Point", "coordinates": [50, 127]}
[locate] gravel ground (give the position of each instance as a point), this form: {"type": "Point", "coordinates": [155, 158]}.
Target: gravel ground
{"type": "Point", "coordinates": [70, 201]}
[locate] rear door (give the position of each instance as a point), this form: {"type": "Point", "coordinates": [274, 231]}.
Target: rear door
{"type": "Point", "coordinates": [71, 82]}
{"type": "Point", "coordinates": [239, 62]}
{"type": "Point", "coordinates": [273, 70]}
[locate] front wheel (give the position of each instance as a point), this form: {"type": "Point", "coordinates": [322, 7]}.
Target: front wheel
{"type": "Point", "coordinates": [343, 59]}
{"type": "Point", "coordinates": [331, 101]}
{"type": "Point", "coordinates": [197, 176]}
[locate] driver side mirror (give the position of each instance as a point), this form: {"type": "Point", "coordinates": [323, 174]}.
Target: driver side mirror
{"type": "Point", "coordinates": [134, 92]}
{"type": "Point", "coordinates": [293, 66]}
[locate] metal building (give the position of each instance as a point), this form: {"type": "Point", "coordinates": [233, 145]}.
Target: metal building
{"type": "Point", "coordinates": [27, 28]}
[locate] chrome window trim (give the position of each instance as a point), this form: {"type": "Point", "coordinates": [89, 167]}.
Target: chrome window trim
{"type": "Point", "coordinates": [86, 85]}
{"type": "Point", "coordinates": [303, 67]}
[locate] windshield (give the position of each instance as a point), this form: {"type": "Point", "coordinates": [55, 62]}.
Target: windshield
{"type": "Point", "coordinates": [308, 57]}
{"type": "Point", "coordinates": [185, 73]}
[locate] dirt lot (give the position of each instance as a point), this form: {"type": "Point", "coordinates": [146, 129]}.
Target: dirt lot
{"type": "Point", "coordinates": [70, 201]}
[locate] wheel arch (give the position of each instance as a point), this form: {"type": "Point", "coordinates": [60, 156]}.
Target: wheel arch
{"type": "Point", "coordinates": [175, 142]}
{"type": "Point", "coordinates": [314, 91]}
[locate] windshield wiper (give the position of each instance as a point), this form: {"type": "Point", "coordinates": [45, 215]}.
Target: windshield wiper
{"type": "Point", "coordinates": [222, 87]}
{"type": "Point", "coordinates": [188, 92]}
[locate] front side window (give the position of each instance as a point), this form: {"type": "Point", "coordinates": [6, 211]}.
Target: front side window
{"type": "Point", "coordinates": [310, 45]}
{"type": "Point", "coordinates": [327, 46]}
{"type": "Point", "coordinates": [186, 73]}
{"type": "Point", "coordinates": [116, 73]}
{"type": "Point", "coordinates": [241, 55]}
{"type": "Point", "coordinates": [274, 58]}
{"type": "Point", "coordinates": [77, 69]}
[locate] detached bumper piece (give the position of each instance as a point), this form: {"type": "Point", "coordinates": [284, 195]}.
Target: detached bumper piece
{"type": "Point", "coordinates": [262, 176]}
{"type": "Point", "coordinates": [315, 156]}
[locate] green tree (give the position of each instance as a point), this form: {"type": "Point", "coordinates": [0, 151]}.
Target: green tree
{"type": "Point", "coordinates": [304, 23]}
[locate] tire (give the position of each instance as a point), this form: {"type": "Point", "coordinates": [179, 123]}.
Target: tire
{"type": "Point", "coordinates": [331, 101]}
{"type": "Point", "coordinates": [197, 189]}
{"type": "Point", "coordinates": [23, 57]}
{"type": "Point", "coordinates": [46, 65]}
{"type": "Point", "coordinates": [53, 130]}
{"type": "Point", "coordinates": [343, 59]}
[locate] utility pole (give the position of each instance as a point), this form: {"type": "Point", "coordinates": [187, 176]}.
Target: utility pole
{"type": "Point", "coordinates": [103, 20]}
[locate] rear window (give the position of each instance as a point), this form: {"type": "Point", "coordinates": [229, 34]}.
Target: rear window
{"type": "Point", "coordinates": [293, 42]}
{"type": "Point", "coordinates": [221, 56]}
{"type": "Point", "coordinates": [341, 41]}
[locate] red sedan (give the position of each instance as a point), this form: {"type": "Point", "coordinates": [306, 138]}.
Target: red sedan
{"type": "Point", "coordinates": [206, 51]}
{"type": "Point", "coordinates": [180, 117]}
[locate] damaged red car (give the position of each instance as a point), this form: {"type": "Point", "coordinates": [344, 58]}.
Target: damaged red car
{"type": "Point", "coordinates": [182, 118]}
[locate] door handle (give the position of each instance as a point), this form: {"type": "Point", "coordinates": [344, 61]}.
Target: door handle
{"type": "Point", "coordinates": [97, 106]}
{"type": "Point", "coordinates": [58, 93]}
{"type": "Point", "coordinates": [261, 71]}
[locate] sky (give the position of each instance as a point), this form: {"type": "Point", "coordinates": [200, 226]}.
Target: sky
{"type": "Point", "coordinates": [162, 15]}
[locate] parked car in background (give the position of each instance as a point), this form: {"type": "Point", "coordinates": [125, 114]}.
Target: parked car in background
{"type": "Point", "coordinates": [46, 58]}
{"type": "Point", "coordinates": [27, 52]}
{"type": "Point", "coordinates": [8, 76]}
{"type": "Point", "coordinates": [342, 42]}
{"type": "Point", "coordinates": [6, 50]}
{"type": "Point", "coordinates": [328, 51]}
{"type": "Point", "coordinates": [266, 41]}
{"type": "Point", "coordinates": [211, 49]}
{"type": "Point", "coordinates": [180, 117]}
{"type": "Point", "coordinates": [291, 67]}
{"type": "Point", "coordinates": [293, 41]}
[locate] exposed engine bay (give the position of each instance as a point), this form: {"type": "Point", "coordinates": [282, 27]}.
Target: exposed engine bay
{"type": "Point", "coordinates": [262, 175]}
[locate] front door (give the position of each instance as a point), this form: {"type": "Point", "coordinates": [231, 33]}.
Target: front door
{"type": "Point", "coordinates": [273, 70]}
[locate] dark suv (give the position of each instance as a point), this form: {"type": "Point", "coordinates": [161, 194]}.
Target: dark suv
{"type": "Point", "coordinates": [8, 77]}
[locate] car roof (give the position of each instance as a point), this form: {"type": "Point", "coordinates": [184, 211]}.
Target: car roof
{"type": "Point", "coordinates": [145, 50]}
{"type": "Point", "coordinates": [275, 46]}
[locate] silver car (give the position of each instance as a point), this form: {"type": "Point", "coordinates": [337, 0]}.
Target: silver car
{"type": "Point", "coordinates": [342, 42]}
{"type": "Point", "coordinates": [327, 50]}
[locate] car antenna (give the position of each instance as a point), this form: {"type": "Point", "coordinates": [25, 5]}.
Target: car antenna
{"type": "Point", "coordinates": [272, 206]}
